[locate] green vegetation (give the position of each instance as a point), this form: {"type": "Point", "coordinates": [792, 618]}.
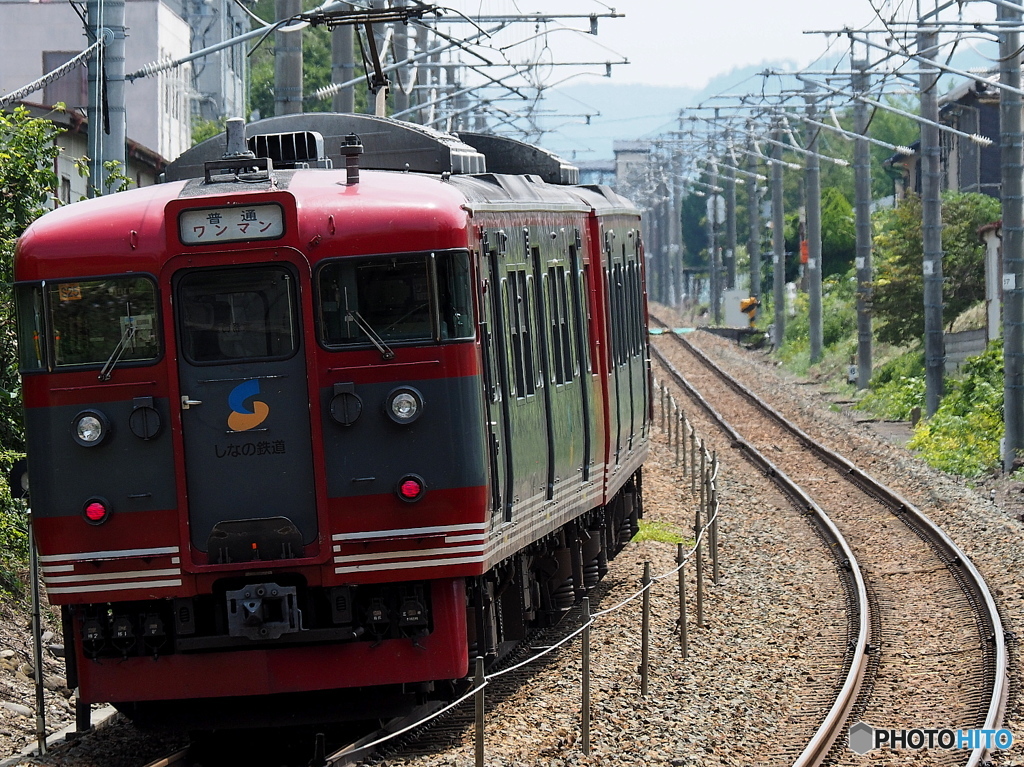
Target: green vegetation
{"type": "Point", "coordinates": [839, 323]}
{"type": "Point", "coordinates": [316, 70]}
{"type": "Point", "coordinates": [899, 282]}
{"type": "Point", "coordinates": [964, 434]}
{"type": "Point", "coordinates": [897, 387]}
{"type": "Point", "coordinates": [27, 183]}
{"type": "Point", "coordinates": [662, 532]}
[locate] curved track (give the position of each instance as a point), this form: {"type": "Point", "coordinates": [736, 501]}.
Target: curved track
{"type": "Point", "coordinates": [912, 595]}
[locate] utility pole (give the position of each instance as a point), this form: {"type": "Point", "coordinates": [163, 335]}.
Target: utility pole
{"type": "Point", "coordinates": [862, 186]}
{"type": "Point", "coordinates": [343, 66]}
{"type": "Point", "coordinates": [778, 239]}
{"type": "Point", "coordinates": [375, 39]}
{"type": "Point", "coordinates": [1012, 194]}
{"type": "Point", "coordinates": [931, 206]}
{"type": "Point", "coordinates": [730, 224]}
{"type": "Point", "coordinates": [423, 71]}
{"type": "Point", "coordinates": [676, 228]}
{"type": "Point", "coordinates": [716, 288]}
{"type": "Point", "coordinates": [813, 233]}
{"type": "Point", "coordinates": [754, 219]}
{"type": "Point", "coordinates": [401, 32]}
{"type": "Point", "coordinates": [106, 107]}
{"type": "Point", "coordinates": [287, 62]}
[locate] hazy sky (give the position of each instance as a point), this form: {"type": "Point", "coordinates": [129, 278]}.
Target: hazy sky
{"type": "Point", "coordinates": [686, 43]}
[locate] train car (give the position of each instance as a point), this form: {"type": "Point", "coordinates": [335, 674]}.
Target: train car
{"type": "Point", "coordinates": [342, 404]}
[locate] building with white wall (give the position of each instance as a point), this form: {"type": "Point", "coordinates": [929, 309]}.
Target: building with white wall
{"type": "Point", "coordinates": [37, 36]}
{"type": "Point", "coordinates": [218, 79]}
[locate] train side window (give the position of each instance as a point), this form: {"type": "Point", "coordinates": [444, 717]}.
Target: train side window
{"type": "Point", "coordinates": [564, 288]}
{"type": "Point", "coordinates": [513, 308]}
{"type": "Point", "coordinates": [399, 297]}
{"type": "Point", "coordinates": [617, 309]}
{"type": "Point", "coordinates": [558, 370]}
{"type": "Point", "coordinates": [561, 343]}
{"type": "Point", "coordinates": [246, 313]}
{"type": "Point", "coordinates": [455, 299]}
{"type": "Point", "coordinates": [520, 335]}
{"type": "Point", "coordinates": [584, 316]}
{"type": "Point", "coordinates": [32, 349]}
{"type": "Point", "coordinates": [92, 321]}
{"type": "Point", "coordinates": [633, 310]}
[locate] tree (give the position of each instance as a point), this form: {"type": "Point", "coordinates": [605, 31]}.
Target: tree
{"type": "Point", "coordinates": [316, 66]}
{"type": "Point", "coordinates": [899, 254]}
{"type": "Point", "coordinates": [838, 232]}
{"type": "Point", "coordinates": [27, 184]}
{"type": "Point", "coordinates": [694, 230]}
{"type": "Point", "coordinates": [893, 129]}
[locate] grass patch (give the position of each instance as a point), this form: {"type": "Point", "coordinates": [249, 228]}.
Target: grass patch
{"type": "Point", "coordinates": [660, 532]}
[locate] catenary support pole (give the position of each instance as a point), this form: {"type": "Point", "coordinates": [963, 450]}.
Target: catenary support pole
{"type": "Point", "coordinates": [106, 108]}
{"type": "Point", "coordinates": [1012, 161]}
{"type": "Point", "coordinates": [931, 224]}
{"type": "Point", "coordinates": [754, 220]}
{"type": "Point", "coordinates": [400, 98]}
{"type": "Point", "coordinates": [713, 262]}
{"type": "Point", "coordinates": [729, 256]}
{"type": "Point", "coordinates": [343, 66]}
{"type": "Point", "coordinates": [862, 187]}
{"type": "Point", "coordinates": [778, 242]}
{"type": "Point", "coordinates": [813, 179]}
{"type": "Point", "coordinates": [287, 62]}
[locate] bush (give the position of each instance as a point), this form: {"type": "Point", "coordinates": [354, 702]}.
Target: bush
{"type": "Point", "coordinates": [13, 531]}
{"type": "Point", "coordinates": [964, 434]}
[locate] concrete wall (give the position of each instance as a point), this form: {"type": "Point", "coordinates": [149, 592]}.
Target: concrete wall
{"type": "Point", "coordinates": [960, 346]}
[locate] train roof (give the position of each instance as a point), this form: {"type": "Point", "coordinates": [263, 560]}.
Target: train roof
{"type": "Point", "coordinates": [406, 203]}
{"type": "Point", "coordinates": [317, 139]}
{"type": "Point", "coordinates": [490, 170]}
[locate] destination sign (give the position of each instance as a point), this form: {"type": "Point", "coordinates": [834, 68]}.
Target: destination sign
{"type": "Point", "coordinates": [202, 226]}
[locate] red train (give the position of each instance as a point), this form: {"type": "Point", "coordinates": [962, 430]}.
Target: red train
{"type": "Point", "coordinates": [325, 434]}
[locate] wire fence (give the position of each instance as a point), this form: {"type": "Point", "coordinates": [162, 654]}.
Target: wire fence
{"type": "Point", "coordinates": [703, 468]}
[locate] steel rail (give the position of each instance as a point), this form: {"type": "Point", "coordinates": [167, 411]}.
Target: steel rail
{"type": "Point", "coordinates": [961, 567]}
{"type": "Point", "coordinates": [831, 727]}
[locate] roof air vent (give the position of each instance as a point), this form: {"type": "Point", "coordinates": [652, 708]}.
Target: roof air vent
{"type": "Point", "coordinates": [301, 149]}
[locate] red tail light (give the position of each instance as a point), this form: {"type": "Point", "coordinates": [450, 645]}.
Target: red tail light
{"type": "Point", "coordinates": [411, 488]}
{"type": "Point", "coordinates": [96, 511]}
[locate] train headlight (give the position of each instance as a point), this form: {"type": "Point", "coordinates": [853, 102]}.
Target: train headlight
{"type": "Point", "coordinates": [404, 405]}
{"type": "Point", "coordinates": [90, 428]}
{"type": "Point", "coordinates": [96, 511]}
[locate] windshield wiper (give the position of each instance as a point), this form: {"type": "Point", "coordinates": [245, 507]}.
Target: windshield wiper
{"type": "Point", "coordinates": [354, 316]}
{"type": "Point", "coordinates": [115, 356]}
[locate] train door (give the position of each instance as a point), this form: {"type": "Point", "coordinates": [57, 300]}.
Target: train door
{"type": "Point", "coordinates": [527, 416]}
{"type": "Point", "coordinates": [244, 412]}
{"type": "Point", "coordinates": [578, 294]}
{"type": "Point", "coordinates": [496, 394]}
{"type": "Point", "coordinates": [565, 418]}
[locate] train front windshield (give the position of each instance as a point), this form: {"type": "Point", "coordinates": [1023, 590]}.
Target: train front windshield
{"type": "Point", "coordinates": [422, 297]}
{"type": "Point", "coordinates": [87, 322]}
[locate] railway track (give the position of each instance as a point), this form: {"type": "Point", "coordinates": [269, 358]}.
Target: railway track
{"type": "Point", "coordinates": [922, 626]}
{"type": "Point", "coordinates": [418, 733]}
